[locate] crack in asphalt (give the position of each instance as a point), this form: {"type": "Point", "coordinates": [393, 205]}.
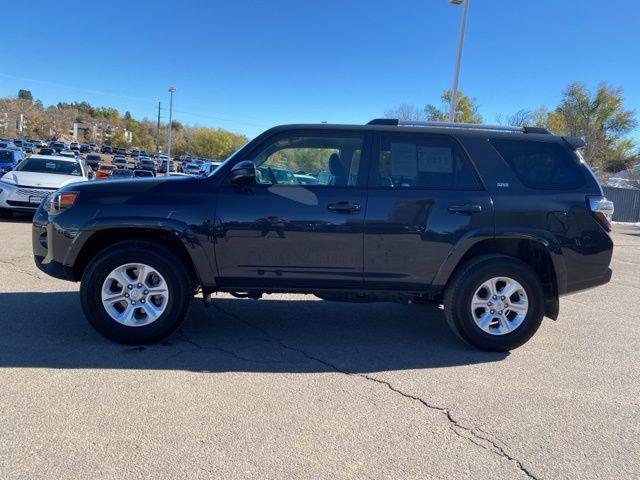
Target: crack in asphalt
{"type": "Point", "coordinates": [468, 433]}
{"type": "Point", "coordinates": [21, 270]}
{"type": "Point", "coordinates": [197, 346]}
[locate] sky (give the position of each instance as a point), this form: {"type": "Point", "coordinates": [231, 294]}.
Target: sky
{"type": "Point", "coordinates": [249, 65]}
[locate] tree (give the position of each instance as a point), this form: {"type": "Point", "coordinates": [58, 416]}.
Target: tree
{"type": "Point", "coordinates": [600, 118]}
{"type": "Point", "coordinates": [404, 111]}
{"type": "Point", "coordinates": [217, 144]}
{"type": "Point", "coordinates": [522, 118]}
{"type": "Point", "coordinates": [25, 95]}
{"type": "Point", "coordinates": [467, 109]}
{"type": "Point", "coordinates": [107, 113]}
{"type": "Point", "coordinates": [117, 139]}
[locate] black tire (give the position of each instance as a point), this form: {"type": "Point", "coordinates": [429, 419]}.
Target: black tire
{"type": "Point", "coordinates": [4, 213]}
{"type": "Point", "coordinates": [170, 266]}
{"type": "Point", "coordinates": [460, 291]}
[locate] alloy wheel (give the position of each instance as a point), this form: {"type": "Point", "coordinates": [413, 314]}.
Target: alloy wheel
{"type": "Point", "coordinates": [135, 294]}
{"type": "Point", "coordinates": [499, 305]}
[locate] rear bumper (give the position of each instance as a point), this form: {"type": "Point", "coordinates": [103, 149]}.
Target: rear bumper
{"type": "Point", "coordinates": [590, 282]}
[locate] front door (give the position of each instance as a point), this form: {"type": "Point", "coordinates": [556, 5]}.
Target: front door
{"type": "Point", "coordinates": [301, 223]}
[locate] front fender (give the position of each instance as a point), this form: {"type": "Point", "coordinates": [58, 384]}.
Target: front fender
{"type": "Point", "coordinates": [203, 264]}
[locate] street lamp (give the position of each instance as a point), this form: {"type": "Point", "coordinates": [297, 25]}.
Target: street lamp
{"type": "Point", "coordinates": [456, 74]}
{"type": "Point", "coordinates": [171, 92]}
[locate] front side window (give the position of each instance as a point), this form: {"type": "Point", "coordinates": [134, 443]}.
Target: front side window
{"type": "Point", "coordinates": [420, 161]}
{"type": "Point", "coordinates": [322, 158]}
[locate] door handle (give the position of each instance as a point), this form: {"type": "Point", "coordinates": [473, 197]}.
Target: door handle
{"type": "Point", "coordinates": [465, 208]}
{"type": "Point", "coordinates": [344, 207]}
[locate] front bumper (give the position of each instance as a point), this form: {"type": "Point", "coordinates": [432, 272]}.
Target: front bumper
{"type": "Point", "coordinates": [51, 244]}
{"type": "Point", "coordinates": [20, 198]}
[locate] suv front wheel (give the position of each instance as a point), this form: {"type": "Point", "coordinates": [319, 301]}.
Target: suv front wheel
{"type": "Point", "coordinates": [494, 303]}
{"type": "Point", "coordinates": [136, 292]}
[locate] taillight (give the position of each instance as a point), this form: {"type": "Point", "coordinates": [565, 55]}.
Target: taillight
{"type": "Point", "coordinates": [602, 210]}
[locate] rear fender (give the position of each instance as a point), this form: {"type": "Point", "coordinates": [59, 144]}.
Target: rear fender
{"type": "Point", "coordinates": [540, 237]}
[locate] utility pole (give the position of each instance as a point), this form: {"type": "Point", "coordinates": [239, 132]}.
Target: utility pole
{"type": "Point", "coordinates": [158, 130]}
{"type": "Point", "coordinates": [171, 92]}
{"type": "Point", "coordinates": [456, 74]}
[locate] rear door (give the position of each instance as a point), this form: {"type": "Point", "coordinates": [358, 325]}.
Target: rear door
{"type": "Point", "coordinates": [424, 198]}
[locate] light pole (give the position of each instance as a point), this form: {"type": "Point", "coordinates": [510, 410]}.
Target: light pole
{"type": "Point", "coordinates": [171, 92]}
{"type": "Point", "coordinates": [456, 74]}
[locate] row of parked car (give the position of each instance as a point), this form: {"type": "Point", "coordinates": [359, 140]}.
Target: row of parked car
{"type": "Point", "coordinates": [26, 179]}
{"type": "Point", "coordinates": [31, 170]}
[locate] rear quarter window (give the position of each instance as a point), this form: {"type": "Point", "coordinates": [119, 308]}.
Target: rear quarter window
{"type": "Point", "coordinates": [541, 165]}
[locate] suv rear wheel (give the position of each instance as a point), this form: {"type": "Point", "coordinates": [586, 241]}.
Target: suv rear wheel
{"type": "Point", "coordinates": [136, 292]}
{"type": "Point", "coordinates": [494, 303]}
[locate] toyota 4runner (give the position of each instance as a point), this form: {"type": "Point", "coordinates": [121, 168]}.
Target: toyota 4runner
{"type": "Point", "coordinates": [493, 222]}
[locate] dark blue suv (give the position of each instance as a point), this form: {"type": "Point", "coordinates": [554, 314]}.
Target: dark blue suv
{"type": "Point", "coordinates": [495, 223]}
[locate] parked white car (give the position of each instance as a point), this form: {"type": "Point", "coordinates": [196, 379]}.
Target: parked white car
{"type": "Point", "coordinates": [23, 188]}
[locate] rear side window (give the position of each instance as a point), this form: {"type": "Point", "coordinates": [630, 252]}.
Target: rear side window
{"type": "Point", "coordinates": [541, 165]}
{"type": "Point", "coordinates": [406, 161]}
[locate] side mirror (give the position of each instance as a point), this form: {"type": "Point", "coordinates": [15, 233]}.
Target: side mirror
{"type": "Point", "coordinates": [243, 174]}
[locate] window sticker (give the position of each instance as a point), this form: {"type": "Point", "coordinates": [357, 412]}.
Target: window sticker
{"type": "Point", "coordinates": [404, 160]}
{"type": "Point", "coordinates": [50, 165]}
{"type": "Point", "coordinates": [435, 160]}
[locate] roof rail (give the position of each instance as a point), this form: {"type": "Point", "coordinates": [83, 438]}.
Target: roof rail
{"type": "Point", "coordinates": [384, 121]}
{"type": "Point", "coordinates": [468, 126]}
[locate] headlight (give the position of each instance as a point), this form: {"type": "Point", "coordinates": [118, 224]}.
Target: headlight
{"type": "Point", "coordinates": [60, 201]}
{"type": "Point", "coordinates": [7, 180]}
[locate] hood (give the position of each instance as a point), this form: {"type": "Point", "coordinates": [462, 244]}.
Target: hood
{"type": "Point", "coordinates": [44, 180]}
{"type": "Point", "coordinates": [129, 185]}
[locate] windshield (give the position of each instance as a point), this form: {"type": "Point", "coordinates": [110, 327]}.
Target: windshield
{"type": "Point", "coordinates": [44, 165]}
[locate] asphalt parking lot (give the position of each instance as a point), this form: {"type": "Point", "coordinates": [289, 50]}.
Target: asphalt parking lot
{"type": "Point", "coordinates": [295, 387]}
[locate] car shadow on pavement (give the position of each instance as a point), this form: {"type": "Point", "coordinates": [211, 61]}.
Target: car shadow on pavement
{"type": "Point", "coordinates": [48, 330]}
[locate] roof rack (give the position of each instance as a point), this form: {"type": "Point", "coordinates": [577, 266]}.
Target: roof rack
{"type": "Point", "coordinates": [467, 126]}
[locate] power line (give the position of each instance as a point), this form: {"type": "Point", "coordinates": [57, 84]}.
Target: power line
{"type": "Point", "coordinates": [223, 119]}
{"type": "Point", "coordinates": [70, 87]}
{"type": "Point", "coordinates": [251, 123]}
